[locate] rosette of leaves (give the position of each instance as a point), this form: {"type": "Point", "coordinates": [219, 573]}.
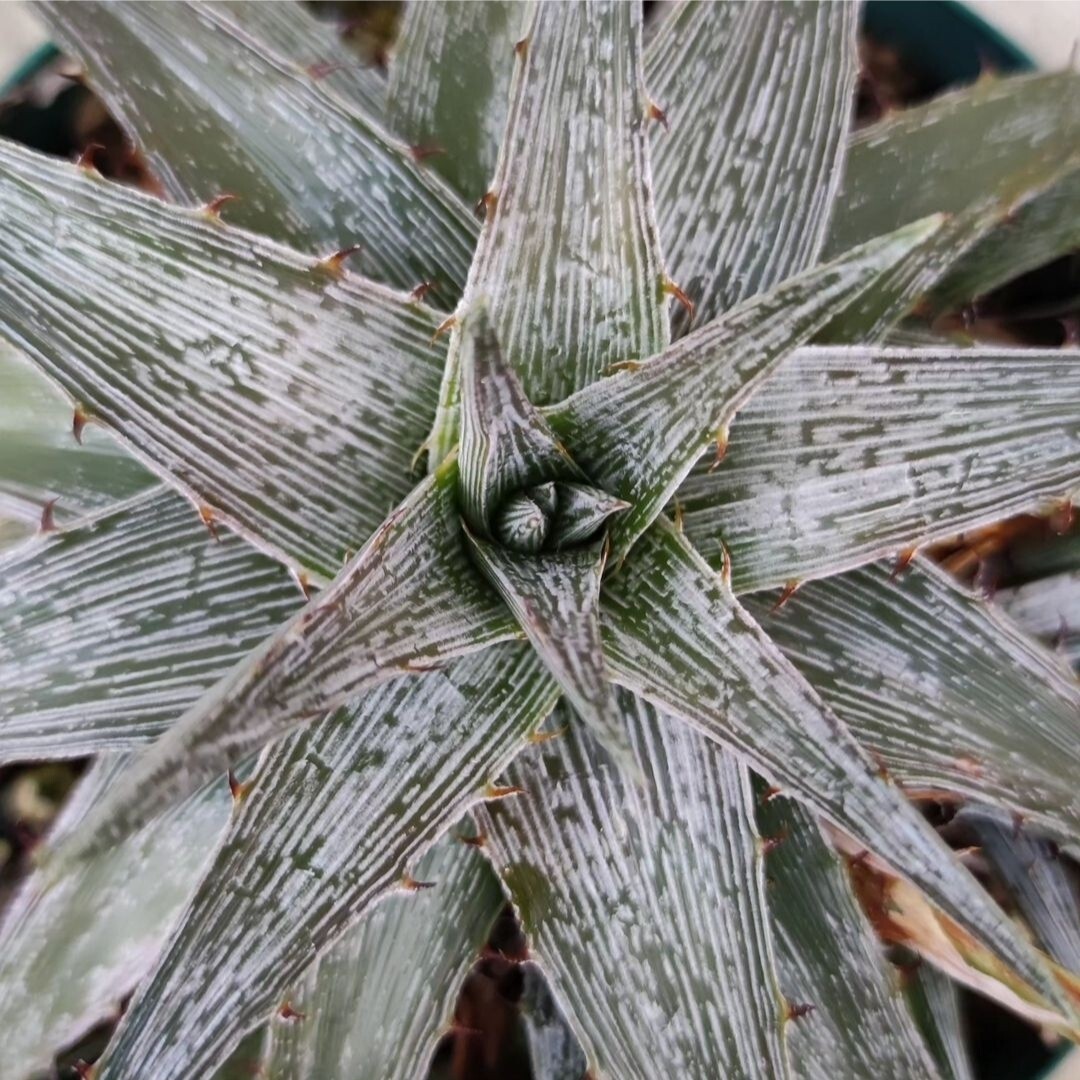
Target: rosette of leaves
{"type": "Point", "coordinates": [527, 673]}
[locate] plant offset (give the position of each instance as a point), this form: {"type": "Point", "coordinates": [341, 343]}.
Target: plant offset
{"type": "Point", "coordinates": [672, 364]}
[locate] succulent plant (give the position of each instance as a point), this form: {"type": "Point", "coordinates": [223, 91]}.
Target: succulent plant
{"type": "Point", "coordinates": [662, 377]}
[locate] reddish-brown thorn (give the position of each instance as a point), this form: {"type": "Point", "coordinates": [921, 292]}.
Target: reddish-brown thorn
{"type": "Point", "coordinates": [669, 288]}
{"type": "Point", "coordinates": [445, 326]}
{"type": "Point", "coordinates": [321, 68]}
{"type": "Point", "coordinates": [479, 840]}
{"type": "Point", "coordinates": [84, 1070]}
{"type": "Point", "coordinates": [538, 737]}
{"type": "Point", "coordinates": [238, 789]}
{"type": "Point", "coordinates": [903, 561]}
{"type": "Point", "coordinates": [48, 522]}
{"type": "Point", "coordinates": [410, 883]}
{"type": "Point", "coordinates": [493, 791]}
{"type": "Point", "coordinates": [419, 294]}
{"type": "Point", "coordinates": [786, 594]}
{"type": "Point", "coordinates": [79, 419]}
{"type": "Point", "coordinates": [212, 209]}
{"type": "Point", "coordinates": [422, 153]}
{"type": "Point", "coordinates": [721, 448]}
{"type": "Point", "coordinates": [881, 767]}
{"type": "Point", "coordinates": [85, 160]}
{"type": "Point", "coordinates": [288, 1012]}
{"type": "Point", "coordinates": [335, 264]}
{"type": "Point", "coordinates": [769, 794]}
{"type": "Point", "coordinates": [206, 516]}
{"type": "Point", "coordinates": [521, 48]}
{"type": "Point", "coordinates": [656, 113]}
{"type": "Point", "coordinates": [485, 205]}
{"type": "Point", "coordinates": [1018, 822]}
{"type": "Point", "coordinates": [303, 582]}
{"type": "Point", "coordinates": [798, 1011]}
{"type": "Point", "coordinates": [725, 565]}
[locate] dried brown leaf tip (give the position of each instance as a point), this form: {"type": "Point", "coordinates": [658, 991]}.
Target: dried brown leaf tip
{"type": "Point", "coordinates": [79, 419]}
{"type": "Point", "coordinates": [289, 1012]}
{"type": "Point", "coordinates": [412, 885]}
{"type": "Point", "coordinates": [303, 582]}
{"type": "Point", "coordinates": [670, 288]}
{"type": "Point", "coordinates": [334, 264]}
{"type": "Point", "coordinates": [212, 210]}
{"type": "Point", "coordinates": [85, 160]}
{"type": "Point", "coordinates": [658, 114]}
{"type": "Point", "coordinates": [725, 565]}
{"type": "Point", "coordinates": [48, 521]}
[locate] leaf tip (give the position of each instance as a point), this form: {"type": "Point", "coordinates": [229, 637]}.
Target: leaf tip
{"type": "Point", "coordinates": [212, 210]}
{"type": "Point", "coordinates": [334, 264]}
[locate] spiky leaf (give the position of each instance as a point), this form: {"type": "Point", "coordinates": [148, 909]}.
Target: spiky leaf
{"type": "Point", "coordinates": [409, 601]}
{"type": "Point", "coordinates": [953, 696]}
{"type": "Point", "coordinates": [110, 630]}
{"type": "Point", "coordinates": [746, 176]}
{"type": "Point", "coordinates": [664, 901]}
{"type": "Point", "coordinates": [235, 367]}
{"type": "Point", "coordinates": [305, 857]}
{"type": "Point", "coordinates": [216, 112]}
{"type": "Point", "coordinates": [851, 454]}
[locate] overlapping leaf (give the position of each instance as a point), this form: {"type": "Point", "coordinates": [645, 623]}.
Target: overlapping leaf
{"type": "Point", "coordinates": [1039, 882]}
{"type": "Point", "coordinates": [72, 950]}
{"type": "Point", "coordinates": [450, 82]}
{"type": "Point", "coordinates": [569, 257]}
{"type": "Point", "coordinates": [850, 454]}
{"type": "Point", "coordinates": [1000, 155]}
{"type": "Point", "coordinates": [554, 1052]}
{"type": "Point", "coordinates": [638, 433]}
{"type": "Point", "coordinates": [665, 617]}
{"type": "Point", "coordinates": [409, 601]}
{"type": "Point", "coordinates": [288, 402]}
{"type": "Point", "coordinates": [953, 696]}
{"type": "Point", "coordinates": [289, 30]}
{"type": "Point", "coordinates": [846, 1016]}
{"type": "Point", "coordinates": [40, 459]}
{"type": "Point", "coordinates": [759, 98]}
{"type": "Point", "coordinates": [1050, 609]}
{"type": "Point", "coordinates": [215, 112]}
{"type": "Point", "coordinates": [934, 1003]}
{"type": "Point", "coordinates": [375, 1004]}
{"type": "Point", "coordinates": [647, 896]}
{"type": "Point", "coordinates": [305, 857]}
{"type": "Point", "coordinates": [111, 630]}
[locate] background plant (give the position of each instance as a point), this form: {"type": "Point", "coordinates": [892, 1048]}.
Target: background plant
{"type": "Point", "coordinates": [287, 395]}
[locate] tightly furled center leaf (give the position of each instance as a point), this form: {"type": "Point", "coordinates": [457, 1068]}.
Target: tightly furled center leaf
{"type": "Point", "coordinates": [519, 486]}
{"type": "Point", "coordinates": [553, 516]}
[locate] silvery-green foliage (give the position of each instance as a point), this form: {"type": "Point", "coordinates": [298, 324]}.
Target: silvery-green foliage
{"type": "Point", "coordinates": [542, 667]}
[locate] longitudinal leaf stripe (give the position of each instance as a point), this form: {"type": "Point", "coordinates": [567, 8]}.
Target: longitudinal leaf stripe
{"type": "Point", "coordinates": [449, 85]}
{"type": "Point", "coordinates": [110, 630]}
{"type": "Point", "coordinates": [287, 401]}
{"type": "Point", "coordinates": [952, 695]}
{"type": "Point", "coordinates": [851, 454]}
{"type": "Point", "coordinates": [664, 614]}
{"type": "Point", "coordinates": [377, 1002]}
{"type": "Point", "coordinates": [72, 949]}
{"type": "Point", "coordinates": [337, 818]}
{"type": "Point", "coordinates": [410, 600]}
{"type": "Point", "coordinates": [637, 434]}
{"type": "Point", "coordinates": [758, 98]}
{"type": "Point", "coordinates": [656, 889]}
{"type": "Point", "coordinates": [829, 957]}
{"type": "Point", "coordinates": [216, 112]}
{"type": "Point", "coordinates": [569, 256]}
